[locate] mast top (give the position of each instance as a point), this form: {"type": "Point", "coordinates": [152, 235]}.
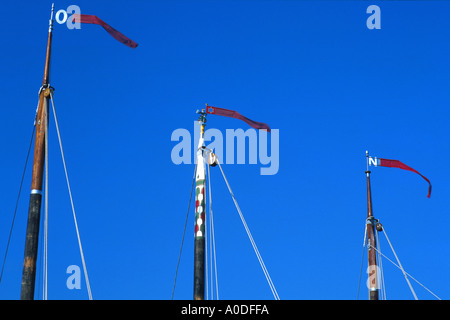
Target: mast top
{"type": "Point", "coordinates": [46, 80]}
{"type": "Point", "coordinates": [367, 169]}
{"type": "Point", "coordinates": [50, 28]}
{"type": "Point", "coordinates": [202, 117]}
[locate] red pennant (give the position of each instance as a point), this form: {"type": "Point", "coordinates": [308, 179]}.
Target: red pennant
{"type": "Point", "coordinates": [86, 18]}
{"type": "Point", "coordinates": [401, 165]}
{"type": "Point", "coordinates": [236, 115]}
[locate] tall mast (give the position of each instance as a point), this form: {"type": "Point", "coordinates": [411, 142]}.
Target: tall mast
{"type": "Point", "coordinates": [199, 242]}
{"type": "Point", "coordinates": [371, 243]}
{"type": "Point", "coordinates": [34, 211]}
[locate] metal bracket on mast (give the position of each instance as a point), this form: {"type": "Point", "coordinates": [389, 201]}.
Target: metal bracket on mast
{"type": "Point", "coordinates": [48, 90]}
{"type": "Point", "coordinates": [202, 117]}
{"type": "Point", "coordinates": [375, 222]}
{"type": "Point", "coordinates": [211, 157]}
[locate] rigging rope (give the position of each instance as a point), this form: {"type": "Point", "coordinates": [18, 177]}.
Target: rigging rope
{"type": "Point", "coordinates": [404, 272]}
{"type": "Point", "coordinates": [212, 240]}
{"type": "Point", "coordinates": [17, 202]}
{"type": "Point", "coordinates": [184, 231]}
{"type": "Point", "coordinates": [71, 200]}
{"type": "Point", "coordinates": [380, 263]}
{"type": "Point", "coordinates": [400, 265]}
{"type": "Point", "coordinates": [207, 237]}
{"type": "Point", "coordinates": [255, 248]}
{"type": "Point", "coordinates": [45, 264]}
{"type": "Point", "coordinates": [362, 261]}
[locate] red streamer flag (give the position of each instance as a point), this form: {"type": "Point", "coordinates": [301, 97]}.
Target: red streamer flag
{"type": "Point", "coordinates": [401, 165]}
{"type": "Point", "coordinates": [86, 18]}
{"type": "Point", "coordinates": [236, 115]}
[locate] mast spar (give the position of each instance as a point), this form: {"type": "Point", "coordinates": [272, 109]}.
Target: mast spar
{"type": "Point", "coordinates": [371, 242]}
{"type": "Point", "coordinates": [199, 242]}
{"type": "Point", "coordinates": [34, 211]}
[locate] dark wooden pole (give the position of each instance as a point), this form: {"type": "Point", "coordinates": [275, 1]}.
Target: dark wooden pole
{"type": "Point", "coordinates": [34, 211]}
{"type": "Point", "coordinates": [371, 245]}
{"type": "Point", "coordinates": [199, 268]}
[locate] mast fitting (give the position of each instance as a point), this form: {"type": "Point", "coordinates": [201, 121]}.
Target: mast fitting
{"type": "Point", "coordinates": [379, 226]}
{"type": "Point", "coordinates": [48, 90]}
{"type": "Point", "coordinates": [202, 117]}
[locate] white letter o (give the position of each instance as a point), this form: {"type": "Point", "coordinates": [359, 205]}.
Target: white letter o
{"type": "Point", "coordinates": [57, 16]}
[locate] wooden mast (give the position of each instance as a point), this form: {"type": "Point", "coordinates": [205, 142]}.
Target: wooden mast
{"type": "Point", "coordinates": [34, 211]}
{"type": "Point", "coordinates": [199, 242]}
{"type": "Point", "coordinates": [371, 242]}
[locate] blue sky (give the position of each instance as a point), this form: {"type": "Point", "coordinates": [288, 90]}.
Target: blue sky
{"type": "Point", "coordinates": [311, 69]}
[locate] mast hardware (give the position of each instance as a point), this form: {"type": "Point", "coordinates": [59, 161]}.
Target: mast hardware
{"type": "Point", "coordinates": [379, 226]}
{"type": "Point", "coordinates": [211, 159]}
{"type": "Point", "coordinates": [202, 117]}
{"type": "Point", "coordinates": [47, 90]}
